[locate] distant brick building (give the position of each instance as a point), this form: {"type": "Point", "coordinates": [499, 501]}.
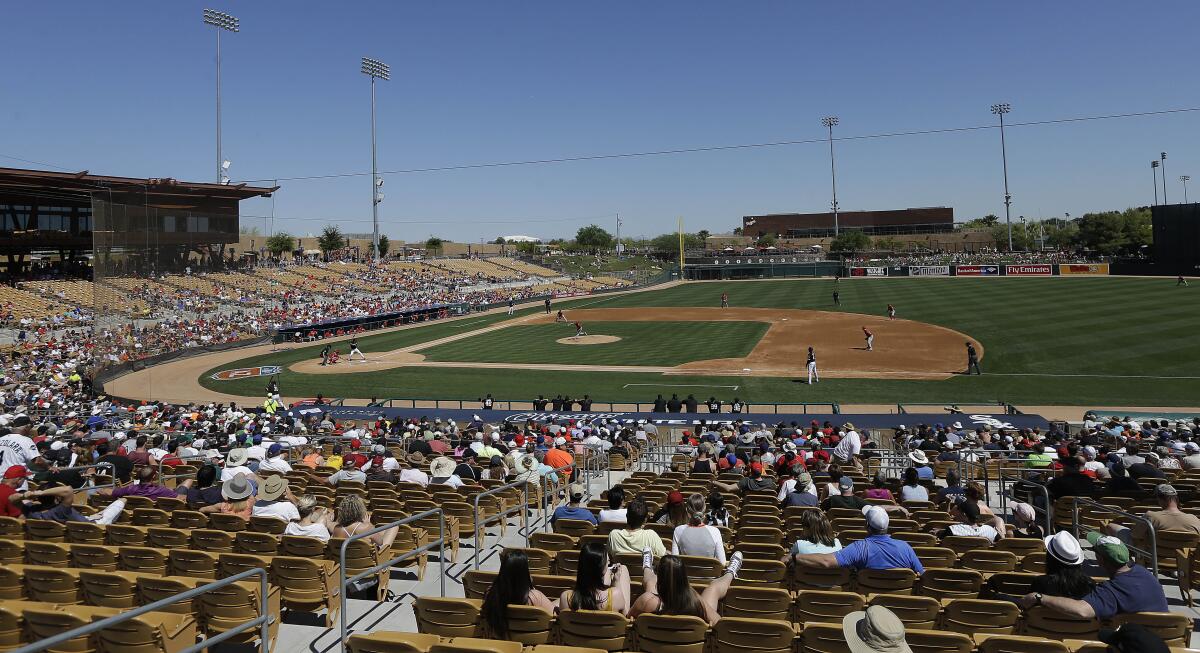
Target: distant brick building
{"type": "Point", "coordinates": [930, 220]}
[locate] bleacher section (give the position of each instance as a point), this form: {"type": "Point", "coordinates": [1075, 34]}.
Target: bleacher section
{"type": "Point", "coordinates": [524, 268]}
{"type": "Point", "coordinates": [20, 304]}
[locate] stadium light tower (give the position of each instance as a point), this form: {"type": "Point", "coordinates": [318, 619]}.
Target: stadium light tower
{"type": "Point", "coordinates": [375, 69]}
{"type": "Point", "coordinates": [223, 22]}
{"type": "Point", "coordinates": [1185, 179]}
{"type": "Point", "coordinates": [1163, 164]}
{"type": "Point", "coordinates": [830, 122]}
{"type": "Point", "coordinates": [1154, 171]}
{"type": "Point", "coordinates": [1000, 110]}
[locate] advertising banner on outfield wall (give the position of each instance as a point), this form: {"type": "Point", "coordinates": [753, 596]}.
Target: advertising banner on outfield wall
{"type": "Point", "coordinates": [929, 271]}
{"type": "Point", "coordinates": [1029, 270]}
{"type": "Point", "coordinates": [1083, 268]}
{"type": "Point", "coordinates": [868, 272]}
{"type": "Point", "coordinates": [977, 270]}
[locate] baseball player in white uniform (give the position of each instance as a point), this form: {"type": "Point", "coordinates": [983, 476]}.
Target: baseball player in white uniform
{"type": "Point", "coordinates": [355, 350]}
{"type": "Point", "coordinates": [813, 376]}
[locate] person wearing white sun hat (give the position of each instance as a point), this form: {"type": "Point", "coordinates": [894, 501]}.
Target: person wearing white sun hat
{"type": "Point", "coordinates": [874, 630]}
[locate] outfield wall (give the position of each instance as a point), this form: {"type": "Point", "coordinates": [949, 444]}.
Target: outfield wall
{"type": "Point", "coordinates": [1001, 270]}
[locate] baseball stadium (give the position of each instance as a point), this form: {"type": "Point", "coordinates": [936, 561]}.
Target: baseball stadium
{"type": "Point", "coordinates": [748, 429]}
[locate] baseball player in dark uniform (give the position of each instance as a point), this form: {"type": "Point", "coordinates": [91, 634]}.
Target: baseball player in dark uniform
{"type": "Point", "coordinates": [714, 405]}
{"type": "Point", "coordinates": [355, 350]}
{"type": "Point", "coordinates": [325, 354]}
{"type": "Point", "coordinates": [972, 359]}
{"type": "Point", "coordinates": [813, 377]}
{"type": "Point", "coordinates": [837, 298]}
{"type": "Point", "coordinates": [547, 306]}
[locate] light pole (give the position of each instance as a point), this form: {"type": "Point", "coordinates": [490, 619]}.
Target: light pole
{"type": "Point", "coordinates": [1154, 171]}
{"type": "Point", "coordinates": [223, 22]}
{"type": "Point", "coordinates": [1163, 165]}
{"type": "Point", "coordinates": [1185, 179]}
{"type": "Point", "coordinates": [1000, 110]}
{"type": "Point", "coordinates": [830, 122]}
{"type": "Point", "coordinates": [375, 69]}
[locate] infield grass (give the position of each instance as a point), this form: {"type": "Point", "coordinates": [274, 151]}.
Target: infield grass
{"type": "Point", "coordinates": [1062, 340]}
{"type": "Point", "coordinates": [642, 343]}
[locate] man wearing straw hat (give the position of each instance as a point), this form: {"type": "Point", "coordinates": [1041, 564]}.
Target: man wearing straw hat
{"type": "Point", "coordinates": [274, 500]}
{"type": "Point", "coordinates": [441, 472]}
{"type": "Point", "coordinates": [415, 473]}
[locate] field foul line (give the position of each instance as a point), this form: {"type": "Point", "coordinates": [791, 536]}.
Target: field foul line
{"type": "Point", "coordinates": [672, 385]}
{"type": "Point", "coordinates": [459, 326]}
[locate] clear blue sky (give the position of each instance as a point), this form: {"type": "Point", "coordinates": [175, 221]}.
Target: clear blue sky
{"type": "Point", "coordinates": [127, 88]}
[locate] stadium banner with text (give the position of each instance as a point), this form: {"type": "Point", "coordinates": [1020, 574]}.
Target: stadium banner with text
{"type": "Point", "coordinates": [868, 272]}
{"type": "Point", "coordinates": [929, 271]}
{"type": "Point", "coordinates": [977, 270]}
{"type": "Point", "coordinates": [1029, 270]}
{"type": "Point", "coordinates": [1083, 268]}
{"type": "Point", "coordinates": [864, 421]}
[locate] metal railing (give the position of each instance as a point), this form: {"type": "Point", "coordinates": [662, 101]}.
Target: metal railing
{"type": "Point", "coordinates": [603, 407]}
{"type": "Point", "coordinates": [481, 525]}
{"type": "Point", "coordinates": [1024, 484]}
{"type": "Point", "coordinates": [263, 619]}
{"type": "Point", "coordinates": [1152, 554]}
{"type": "Point", "coordinates": [343, 582]}
{"type": "Point", "coordinates": [952, 408]}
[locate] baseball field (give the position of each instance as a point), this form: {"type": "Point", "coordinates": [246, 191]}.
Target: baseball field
{"type": "Point", "coordinates": [1048, 341]}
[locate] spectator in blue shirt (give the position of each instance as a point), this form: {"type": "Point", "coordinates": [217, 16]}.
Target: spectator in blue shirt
{"type": "Point", "coordinates": [573, 510]}
{"type": "Point", "coordinates": [921, 464]}
{"type": "Point", "coordinates": [1130, 587]}
{"type": "Point", "coordinates": [877, 551]}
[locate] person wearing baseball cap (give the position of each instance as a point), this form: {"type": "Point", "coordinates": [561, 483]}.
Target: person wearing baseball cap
{"type": "Point", "coordinates": [1170, 518]}
{"type": "Point", "coordinates": [276, 461]}
{"type": "Point", "coordinates": [878, 550]}
{"type": "Point", "coordinates": [560, 458]}
{"type": "Point", "coordinates": [573, 510]}
{"type": "Point", "coordinates": [10, 494]}
{"type": "Point", "coordinates": [1130, 587]}
{"type": "Point", "coordinates": [845, 498]}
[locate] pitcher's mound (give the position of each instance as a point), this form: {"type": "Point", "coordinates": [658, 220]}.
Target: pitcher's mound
{"type": "Point", "coordinates": [587, 340]}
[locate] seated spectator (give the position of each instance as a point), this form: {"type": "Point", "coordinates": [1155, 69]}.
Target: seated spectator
{"type": "Point", "coordinates": [415, 473]}
{"type": "Point", "coordinates": [614, 512]}
{"type": "Point", "coordinates": [573, 510]}
{"type": "Point", "coordinates": [954, 487]}
{"type": "Point", "coordinates": [54, 501]}
{"type": "Point", "coordinates": [598, 585]}
{"type": "Point", "coordinates": [633, 538]}
{"type": "Point", "coordinates": [703, 463]}
{"type": "Point", "coordinates": [349, 472]}
{"type": "Point", "coordinates": [967, 513]}
{"type": "Point", "coordinates": [816, 535]}
{"type": "Point", "coordinates": [466, 470]}
{"type": "Point", "coordinates": [878, 550]}
{"type": "Point", "coordinates": [276, 500]}
{"type": "Point", "coordinates": [752, 483]}
{"type": "Point", "coordinates": [804, 492]}
{"type": "Point", "coordinates": [874, 630]}
{"type": "Point", "coordinates": [920, 466]}
{"type": "Point", "coordinates": [674, 513]}
{"type": "Point", "coordinates": [310, 458]}
{"type": "Point", "coordinates": [1025, 522]}
{"type": "Point", "coordinates": [235, 463]}
{"type": "Point", "coordinates": [1133, 638]}
{"type": "Point", "coordinates": [717, 515]}
{"type": "Point", "coordinates": [668, 591]}
{"type": "Point", "coordinates": [1072, 482]}
{"type": "Point", "coordinates": [204, 491]}
{"type": "Point", "coordinates": [1147, 469]}
{"type": "Point", "coordinates": [1120, 481]}
{"type": "Point", "coordinates": [845, 497]}
{"type": "Point", "coordinates": [275, 461]}
{"type": "Point", "coordinates": [352, 517]}
{"type": "Point", "coordinates": [1170, 518]}
{"type": "Point", "coordinates": [315, 519]}
{"type": "Point", "coordinates": [832, 489]}
{"type": "Point", "coordinates": [442, 473]}
{"type": "Point", "coordinates": [879, 489]}
{"type": "Point", "coordinates": [237, 498]}
{"type": "Point", "coordinates": [1130, 587]}
{"type": "Point", "coordinates": [513, 586]}
{"type": "Point", "coordinates": [912, 490]}
{"type": "Point", "coordinates": [147, 486]}
{"type": "Point", "coordinates": [697, 538]}
{"type": "Point", "coordinates": [1064, 575]}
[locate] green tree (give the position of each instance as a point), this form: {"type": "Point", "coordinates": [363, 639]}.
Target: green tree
{"type": "Point", "coordinates": [1061, 234]}
{"type": "Point", "coordinates": [280, 243]}
{"type": "Point", "coordinates": [331, 239]}
{"type": "Point", "coordinates": [593, 238]}
{"type": "Point", "coordinates": [703, 234]}
{"type": "Point", "coordinates": [1103, 232]}
{"type": "Point", "coordinates": [527, 248]}
{"type": "Point", "coordinates": [986, 222]}
{"type": "Point", "coordinates": [766, 240]}
{"type": "Point", "coordinates": [889, 244]}
{"type": "Point", "coordinates": [667, 245]}
{"type": "Point", "coordinates": [384, 246]}
{"type": "Point", "coordinates": [850, 240]}
{"type": "Point", "coordinates": [1022, 238]}
{"type": "Point", "coordinates": [434, 245]}
{"type": "Point", "coordinates": [499, 241]}
{"type": "Point", "coordinates": [737, 231]}
{"type": "Point", "coordinates": [1137, 227]}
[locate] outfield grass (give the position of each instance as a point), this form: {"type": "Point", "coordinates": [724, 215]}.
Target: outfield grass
{"type": "Point", "coordinates": [1070, 341]}
{"type": "Point", "coordinates": [642, 343]}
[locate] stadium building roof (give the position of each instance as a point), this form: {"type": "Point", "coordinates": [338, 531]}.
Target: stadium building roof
{"type": "Point", "coordinates": [21, 180]}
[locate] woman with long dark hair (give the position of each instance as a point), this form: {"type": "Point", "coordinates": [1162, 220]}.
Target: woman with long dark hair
{"type": "Point", "coordinates": [513, 586]}
{"type": "Point", "coordinates": [667, 590]}
{"type": "Point", "coordinates": [598, 585]}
